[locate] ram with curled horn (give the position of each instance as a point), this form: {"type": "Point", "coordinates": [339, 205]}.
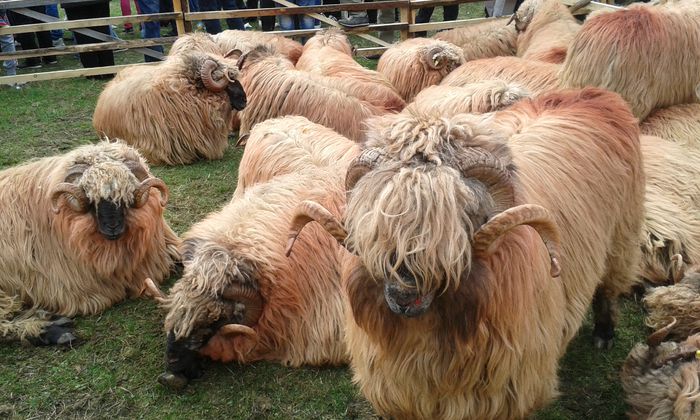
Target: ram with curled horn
{"type": "Point", "coordinates": [80, 232]}
{"type": "Point", "coordinates": [240, 299]}
{"type": "Point", "coordinates": [536, 208]}
{"type": "Point", "coordinates": [176, 112]}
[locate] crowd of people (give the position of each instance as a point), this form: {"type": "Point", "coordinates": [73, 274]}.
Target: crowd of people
{"type": "Point", "coordinates": [87, 9]}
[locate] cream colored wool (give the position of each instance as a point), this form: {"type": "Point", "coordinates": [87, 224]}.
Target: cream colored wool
{"type": "Point", "coordinates": [545, 28]}
{"type": "Point", "coordinates": [680, 301]}
{"type": "Point", "coordinates": [677, 123]}
{"type": "Point", "coordinates": [477, 98]}
{"type": "Point", "coordinates": [246, 41]}
{"type": "Point", "coordinates": [492, 38]}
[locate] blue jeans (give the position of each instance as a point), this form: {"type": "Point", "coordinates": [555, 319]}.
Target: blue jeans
{"type": "Point", "coordinates": [52, 10]}
{"type": "Point", "coordinates": [214, 25]}
{"type": "Point", "coordinates": [7, 44]}
{"type": "Point", "coordinates": [305, 22]}
{"type": "Point", "coordinates": [150, 29]}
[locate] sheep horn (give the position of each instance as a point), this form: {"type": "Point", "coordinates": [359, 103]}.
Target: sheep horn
{"type": "Point", "coordinates": [677, 268]}
{"type": "Point", "coordinates": [579, 5]}
{"type": "Point", "coordinates": [362, 164]}
{"type": "Point", "coordinates": [137, 169]}
{"type": "Point", "coordinates": [206, 72]}
{"type": "Point", "coordinates": [660, 335]}
{"type": "Point", "coordinates": [530, 214]}
{"type": "Point", "coordinates": [235, 329]}
{"type": "Point", "coordinates": [75, 172]}
{"type": "Point", "coordinates": [141, 194]}
{"type": "Point", "coordinates": [250, 298]}
{"type": "Point", "coordinates": [487, 168]}
{"type": "Point", "coordinates": [512, 18]}
{"type": "Point", "coordinates": [77, 199]}
{"type": "Point", "coordinates": [308, 211]}
{"type": "Point", "coordinates": [431, 58]}
{"type": "Point", "coordinates": [149, 289]}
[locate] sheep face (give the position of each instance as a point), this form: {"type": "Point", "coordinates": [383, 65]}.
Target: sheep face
{"type": "Point", "coordinates": [420, 207]}
{"type": "Point", "coordinates": [103, 207]}
{"type": "Point", "coordinates": [216, 291]}
{"type": "Point", "coordinates": [214, 75]}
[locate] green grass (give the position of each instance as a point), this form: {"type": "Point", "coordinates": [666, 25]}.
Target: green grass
{"type": "Point", "coordinates": [113, 373]}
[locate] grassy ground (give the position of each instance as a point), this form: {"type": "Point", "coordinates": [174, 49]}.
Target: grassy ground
{"type": "Point", "coordinates": [113, 374]}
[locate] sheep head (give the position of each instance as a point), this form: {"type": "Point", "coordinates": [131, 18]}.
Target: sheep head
{"type": "Point", "coordinates": [217, 294]}
{"type": "Point", "coordinates": [213, 74]}
{"type": "Point", "coordinates": [421, 207]}
{"type": "Point", "coordinates": [330, 37]}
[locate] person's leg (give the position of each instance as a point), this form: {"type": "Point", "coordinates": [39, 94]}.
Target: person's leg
{"type": "Point", "coordinates": [387, 16]}
{"type": "Point", "coordinates": [150, 29]}
{"type": "Point", "coordinates": [57, 34]}
{"type": "Point", "coordinates": [423, 16]}
{"type": "Point", "coordinates": [233, 23]}
{"type": "Point", "coordinates": [26, 40]}
{"type": "Point", "coordinates": [354, 19]}
{"type": "Point", "coordinates": [450, 12]}
{"type": "Point", "coordinates": [335, 15]}
{"type": "Point", "coordinates": [126, 11]}
{"type": "Point", "coordinates": [306, 22]}
{"type": "Point", "coordinates": [267, 22]}
{"type": "Point", "coordinates": [88, 59]}
{"type": "Point", "coordinates": [106, 57]}
{"type": "Point", "coordinates": [7, 45]}
{"type": "Point", "coordinates": [213, 25]}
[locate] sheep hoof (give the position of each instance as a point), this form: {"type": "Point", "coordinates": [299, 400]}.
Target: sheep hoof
{"type": "Point", "coordinates": [59, 333]}
{"type": "Point", "coordinates": [603, 343]}
{"type": "Point", "coordinates": [172, 381]}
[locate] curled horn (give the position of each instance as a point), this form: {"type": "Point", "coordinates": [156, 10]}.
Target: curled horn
{"type": "Point", "coordinates": [206, 72]}
{"type": "Point", "coordinates": [309, 211]}
{"type": "Point", "coordinates": [137, 169]}
{"type": "Point", "coordinates": [75, 172]}
{"type": "Point", "coordinates": [76, 198]}
{"type": "Point", "coordinates": [660, 335]}
{"type": "Point", "coordinates": [487, 168]}
{"type": "Point", "coordinates": [432, 58]}
{"type": "Point", "coordinates": [362, 164]}
{"type": "Point", "coordinates": [536, 216]}
{"type": "Point", "coordinates": [249, 297]}
{"type": "Point", "coordinates": [141, 194]}
{"type": "Point", "coordinates": [579, 5]}
{"type": "Point", "coordinates": [150, 290]}
{"type": "Point", "coordinates": [513, 17]}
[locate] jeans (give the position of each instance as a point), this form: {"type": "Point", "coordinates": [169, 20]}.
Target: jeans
{"type": "Point", "coordinates": [150, 29]}
{"type": "Point", "coordinates": [52, 10]}
{"type": "Point", "coordinates": [214, 25]}
{"type": "Point", "coordinates": [305, 22]}
{"type": "Point", "coordinates": [7, 43]}
{"type": "Point", "coordinates": [94, 58]}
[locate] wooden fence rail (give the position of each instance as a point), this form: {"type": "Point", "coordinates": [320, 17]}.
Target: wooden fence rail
{"type": "Point", "coordinates": [406, 26]}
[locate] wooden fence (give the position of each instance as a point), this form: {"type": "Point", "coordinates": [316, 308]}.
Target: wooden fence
{"type": "Point", "coordinates": [183, 17]}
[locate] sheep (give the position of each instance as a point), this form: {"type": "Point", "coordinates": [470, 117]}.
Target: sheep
{"type": "Point", "coordinates": [545, 30]}
{"type": "Point", "coordinates": [491, 38]}
{"type": "Point", "coordinates": [661, 380]}
{"type": "Point", "coordinates": [650, 55]}
{"type": "Point", "coordinates": [240, 299]}
{"type": "Point", "coordinates": [679, 301]}
{"type": "Point", "coordinates": [427, 203]}
{"type": "Point", "coordinates": [329, 53]}
{"type": "Point", "coordinates": [275, 88]}
{"type": "Point", "coordinates": [80, 233]}
{"type": "Point", "coordinates": [196, 41]}
{"type": "Point", "coordinates": [290, 144]}
{"type": "Point", "coordinates": [417, 63]}
{"type": "Point", "coordinates": [535, 76]}
{"type": "Point", "coordinates": [678, 123]}
{"type": "Point", "coordinates": [246, 41]}
{"type": "Point", "coordinates": [672, 207]}
{"type": "Point", "coordinates": [477, 98]}
{"type": "Point", "coordinates": [175, 112]}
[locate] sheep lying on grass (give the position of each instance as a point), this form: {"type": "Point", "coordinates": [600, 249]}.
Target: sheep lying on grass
{"type": "Point", "coordinates": [491, 38]}
{"type": "Point", "coordinates": [240, 298]}
{"type": "Point", "coordinates": [535, 76]}
{"type": "Point", "coordinates": [678, 123]}
{"type": "Point", "coordinates": [80, 232]}
{"type": "Point", "coordinates": [175, 112]}
{"type": "Point", "coordinates": [246, 41]}
{"type": "Point", "coordinates": [329, 53]}
{"type": "Point", "coordinates": [417, 63]}
{"type": "Point", "coordinates": [476, 98]}
{"type": "Point", "coordinates": [661, 379]}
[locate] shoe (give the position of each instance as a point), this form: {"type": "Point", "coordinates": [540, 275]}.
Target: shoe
{"type": "Point", "coordinates": [50, 61]}
{"type": "Point", "coordinates": [58, 42]}
{"type": "Point", "coordinates": [247, 26]}
{"type": "Point", "coordinates": [129, 30]}
{"type": "Point", "coordinates": [373, 57]}
{"type": "Point", "coordinates": [30, 63]}
{"type": "Point", "coordinates": [354, 21]}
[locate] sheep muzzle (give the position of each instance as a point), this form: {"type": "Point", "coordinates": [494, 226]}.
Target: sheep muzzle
{"type": "Point", "coordinates": [111, 219]}
{"type": "Point", "coordinates": [402, 296]}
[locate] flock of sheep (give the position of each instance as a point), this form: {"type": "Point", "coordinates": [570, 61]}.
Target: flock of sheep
{"type": "Point", "coordinates": [539, 165]}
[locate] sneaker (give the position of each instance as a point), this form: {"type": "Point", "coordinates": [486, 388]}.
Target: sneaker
{"type": "Point", "coordinates": [50, 61]}
{"type": "Point", "coordinates": [30, 63]}
{"type": "Point", "coordinates": [58, 42]}
{"type": "Point", "coordinates": [354, 21]}
{"type": "Point", "coordinates": [247, 26]}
